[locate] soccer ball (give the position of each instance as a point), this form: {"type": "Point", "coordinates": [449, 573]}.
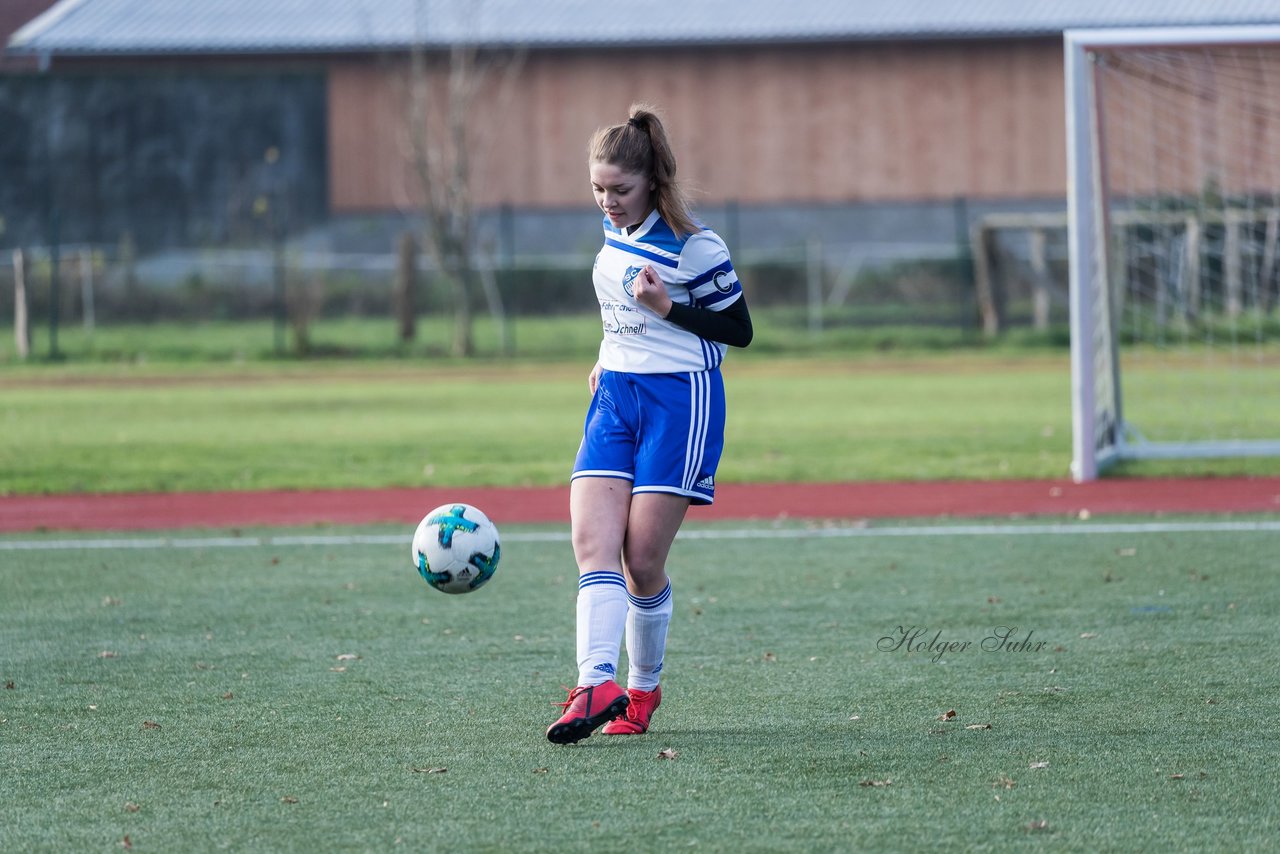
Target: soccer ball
{"type": "Point", "coordinates": [455, 548]}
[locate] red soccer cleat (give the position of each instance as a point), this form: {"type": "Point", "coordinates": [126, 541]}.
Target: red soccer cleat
{"type": "Point", "coordinates": [588, 706]}
{"type": "Point", "coordinates": [636, 720]}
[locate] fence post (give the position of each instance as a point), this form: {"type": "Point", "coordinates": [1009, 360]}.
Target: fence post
{"type": "Point", "coordinates": [281, 311]}
{"type": "Point", "coordinates": [86, 288]}
{"type": "Point", "coordinates": [1039, 281]}
{"type": "Point", "coordinates": [21, 324]}
{"type": "Point", "coordinates": [1271, 233]}
{"type": "Point", "coordinates": [128, 267]}
{"type": "Point", "coordinates": [55, 285]}
{"type": "Point", "coordinates": [1234, 286]}
{"type": "Point", "coordinates": [406, 285]}
{"type": "Point", "coordinates": [1191, 270]}
{"type": "Point", "coordinates": [984, 286]}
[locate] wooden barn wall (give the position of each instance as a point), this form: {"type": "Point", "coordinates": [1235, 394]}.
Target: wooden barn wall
{"type": "Point", "coordinates": [1198, 121]}
{"type": "Point", "coordinates": [802, 124]}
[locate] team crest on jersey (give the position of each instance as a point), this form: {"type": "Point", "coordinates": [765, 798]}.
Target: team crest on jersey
{"type": "Point", "coordinates": [628, 278]}
{"type": "Point", "coordinates": [721, 281]}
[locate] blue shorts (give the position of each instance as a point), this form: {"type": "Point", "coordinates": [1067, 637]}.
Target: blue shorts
{"type": "Point", "coordinates": [662, 432]}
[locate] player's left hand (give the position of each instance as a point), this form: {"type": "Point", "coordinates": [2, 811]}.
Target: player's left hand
{"type": "Point", "coordinates": [650, 292]}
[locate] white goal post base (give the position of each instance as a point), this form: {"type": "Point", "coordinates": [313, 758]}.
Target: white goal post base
{"type": "Point", "coordinates": [1140, 450]}
{"type": "Point", "coordinates": [1101, 435]}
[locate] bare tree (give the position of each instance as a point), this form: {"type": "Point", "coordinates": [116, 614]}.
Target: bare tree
{"type": "Point", "coordinates": [447, 136]}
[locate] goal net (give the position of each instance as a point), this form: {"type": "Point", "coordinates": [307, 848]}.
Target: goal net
{"type": "Point", "coordinates": [1173, 140]}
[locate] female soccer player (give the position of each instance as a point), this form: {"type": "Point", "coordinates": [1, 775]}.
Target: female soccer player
{"type": "Point", "coordinates": [671, 304]}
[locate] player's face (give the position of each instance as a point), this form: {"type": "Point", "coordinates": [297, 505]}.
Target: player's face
{"type": "Point", "coordinates": [625, 197]}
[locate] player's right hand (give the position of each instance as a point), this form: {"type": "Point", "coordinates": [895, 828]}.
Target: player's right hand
{"type": "Point", "coordinates": [594, 379]}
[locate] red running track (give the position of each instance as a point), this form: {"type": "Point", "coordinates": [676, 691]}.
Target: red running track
{"type": "Point", "coordinates": [733, 501]}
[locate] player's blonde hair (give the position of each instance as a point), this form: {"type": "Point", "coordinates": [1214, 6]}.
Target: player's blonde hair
{"type": "Point", "coordinates": [640, 145]}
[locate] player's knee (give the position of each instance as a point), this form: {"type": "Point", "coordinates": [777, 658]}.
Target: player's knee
{"type": "Point", "coordinates": [594, 552]}
{"type": "Point", "coordinates": [646, 565]}
{"type": "Point", "coordinates": [646, 583]}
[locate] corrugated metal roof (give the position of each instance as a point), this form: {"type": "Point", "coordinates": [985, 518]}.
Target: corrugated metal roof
{"type": "Point", "coordinates": [105, 27]}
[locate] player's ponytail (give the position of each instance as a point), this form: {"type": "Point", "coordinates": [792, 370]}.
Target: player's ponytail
{"type": "Point", "coordinates": [640, 145]}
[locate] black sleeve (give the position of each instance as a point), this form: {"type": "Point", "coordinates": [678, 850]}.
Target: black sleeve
{"type": "Point", "coordinates": [731, 326]}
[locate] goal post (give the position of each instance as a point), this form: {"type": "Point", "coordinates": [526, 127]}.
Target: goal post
{"type": "Point", "coordinates": [1173, 205]}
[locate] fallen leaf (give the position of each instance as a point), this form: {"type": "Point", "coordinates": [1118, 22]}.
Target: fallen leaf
{"type": "Point", "coordinates": [93, 707]}
{"type": "Point", "coordinates": [1126, 552]}
{"type": "Point", "coordinates": [228, 696]}
{"type": "Point", "coordinates": [978, 726]}
{"type": "Point", "coordinates": [668, 753]}
{"type": "Point", "coordinates": [289, 799]}
{"type": "Point", "coordinates": [126, 842]}
{"type": "Point", "coordinates": [947, 715]}
{"type": "Point", "coordinates": [855, 717]}
{"type": "Point", "coordinates": [1038, 765]}
{"type": "Point", "coordinates": [1177, 776]}
{"type": "Point", "coordinates": [130, 806]}
{"type": "Point", "coordinates": [106, 653]}
{"type": "Point", "coordinates": [769, 656]}
{"type": "Point", "coordinates": [1088, 635]}
{"type": "Point", "coordinates": [150, 725]}
{"type": "Point", "coordinates": [348, 656]}
{"type": "Point", "coordinates": [429, 770]}
{"type": "Point", "coordinates": [9, 686]}
{"type": "Point", "coordinates": [337, 670]}
{"type": "Point", "coordinates": [541, 770]}
{"type": "Point", "coordinates": [1034, 826]}
{"type": "Point", "coordinates": [1084, 515]}
{"type": "Point", "coordinates": [111, 601]}
{"type": "Point", "coordinates": [993, 600]}
{"type": "Point", "coordinates": [1003, 783]}
{"type": "Point", "coordinates": [876, 783]}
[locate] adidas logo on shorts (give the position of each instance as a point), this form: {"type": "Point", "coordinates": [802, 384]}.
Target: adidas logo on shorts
{"type": "Point", "coordinates": [707, 483]}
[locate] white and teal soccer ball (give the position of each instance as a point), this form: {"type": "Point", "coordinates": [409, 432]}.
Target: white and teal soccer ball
{"type": "Point", "coordinates": [455, 548]}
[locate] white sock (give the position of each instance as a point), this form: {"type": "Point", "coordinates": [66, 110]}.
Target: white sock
{"type": "Point", "coordinates": [602, 616]}
{"type": "Point", "coordinates": [647, 622]}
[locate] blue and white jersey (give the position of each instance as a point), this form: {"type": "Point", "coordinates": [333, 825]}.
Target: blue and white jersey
{"type": "Point", "coordinates": [696, 270]}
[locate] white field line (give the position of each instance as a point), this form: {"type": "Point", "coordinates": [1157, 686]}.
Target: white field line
{"type": "Point", "coordinates": [974, 530]}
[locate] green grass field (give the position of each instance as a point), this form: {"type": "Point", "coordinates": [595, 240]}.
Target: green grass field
{"type": "Point", "coordinates": [110, 428]}
{"type": "Point", "coordinates": [247, 694]}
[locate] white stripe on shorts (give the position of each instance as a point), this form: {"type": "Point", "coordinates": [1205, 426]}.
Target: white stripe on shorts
{"type": "Point", "coordinates": [699, 416]}
{"type": "Point", "coordinates": [602, 473]}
